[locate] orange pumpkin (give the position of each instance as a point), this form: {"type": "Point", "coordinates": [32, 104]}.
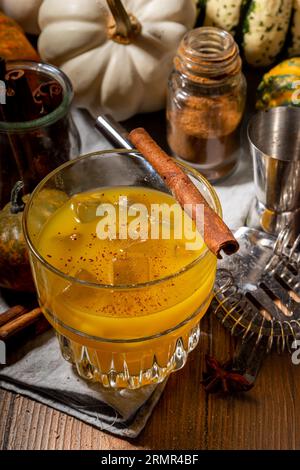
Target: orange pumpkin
{"type": "Point", "coordinates": [15, 272]}
{"type": "Point", "coordinates": [13, 43]}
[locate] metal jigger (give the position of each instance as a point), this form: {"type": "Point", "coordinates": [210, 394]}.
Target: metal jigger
{"type": "Point", "coordinates": [274, 137]}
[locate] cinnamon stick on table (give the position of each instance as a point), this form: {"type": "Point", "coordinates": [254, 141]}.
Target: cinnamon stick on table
{"type": "Point", "coordinates": [217, 235]}
{"type": "Point", "coordinates": [20, 323]}
{"type": "Point", "coordinates": [12, 313]}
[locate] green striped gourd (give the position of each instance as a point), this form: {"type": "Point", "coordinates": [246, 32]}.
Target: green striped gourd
{"type": "Point", "coordinates": [280, 86]}
{"type": "Point", "coordinates": [263, 28]}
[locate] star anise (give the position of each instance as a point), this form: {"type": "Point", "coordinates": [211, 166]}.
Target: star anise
{"type": "Point", "coordinates": [224, 378]}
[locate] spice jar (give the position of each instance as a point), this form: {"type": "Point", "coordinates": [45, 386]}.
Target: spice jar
{"type": "Point", "coordinates": [206, 100]}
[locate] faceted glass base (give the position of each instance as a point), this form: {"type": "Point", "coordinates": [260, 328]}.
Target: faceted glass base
{"type": "Point", "coordinates": [92, 364]}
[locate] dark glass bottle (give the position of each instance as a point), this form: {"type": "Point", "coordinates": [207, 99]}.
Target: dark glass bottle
{"type": "Point", "coordinates": [31, 148]}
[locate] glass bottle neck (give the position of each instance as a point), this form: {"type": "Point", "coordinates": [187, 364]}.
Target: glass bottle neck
{"type": "Point", "coordinates": [208, 55]}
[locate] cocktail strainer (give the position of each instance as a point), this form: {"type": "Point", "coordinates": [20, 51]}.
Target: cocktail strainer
{"type": "Point", "coordinates": [257, 296]}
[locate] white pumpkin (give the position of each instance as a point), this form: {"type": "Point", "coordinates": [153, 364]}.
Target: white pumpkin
{"type": "Point", "coordinates": [25, 12]}
{"type": "Point", "coordinates": [111, 70]}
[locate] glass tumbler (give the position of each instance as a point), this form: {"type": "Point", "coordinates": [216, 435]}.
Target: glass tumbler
{"type": "Point", "coordinates": [119, 351]}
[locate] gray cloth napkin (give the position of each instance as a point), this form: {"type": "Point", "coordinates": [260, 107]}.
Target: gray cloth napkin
{"type": "Point", "coordinates": [38, 371]}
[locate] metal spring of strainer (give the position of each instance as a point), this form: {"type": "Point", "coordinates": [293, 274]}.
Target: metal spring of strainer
{"type": "Point", "coordinates": [257, 295]}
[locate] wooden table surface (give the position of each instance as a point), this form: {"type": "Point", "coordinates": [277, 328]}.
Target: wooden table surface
{"type": "Point", "coordinates": [267, 417]}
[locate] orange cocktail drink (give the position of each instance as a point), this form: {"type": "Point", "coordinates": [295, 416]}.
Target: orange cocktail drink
{"type": "Point", "coordinates": [124, 286]}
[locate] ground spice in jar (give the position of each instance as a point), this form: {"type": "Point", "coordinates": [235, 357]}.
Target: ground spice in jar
{"type": "Point", "coordinates": [206, 101]}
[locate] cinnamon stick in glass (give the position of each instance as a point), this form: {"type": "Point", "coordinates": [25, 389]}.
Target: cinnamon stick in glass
{"type": "Point", "coordinates": [9, 109]}
{"type": "Point", "coordinates": [56, 95]}
{"type": "Point", "coordinates": [217, 235]}
{"type": "Point", "coordinates": [26, 108]}
{"type": "Point", "coordinates": [49, 95]}
{"type": "Point", "coordinates": [2, 68]}
{"type": "Point", "coordinates": [3, 88]}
